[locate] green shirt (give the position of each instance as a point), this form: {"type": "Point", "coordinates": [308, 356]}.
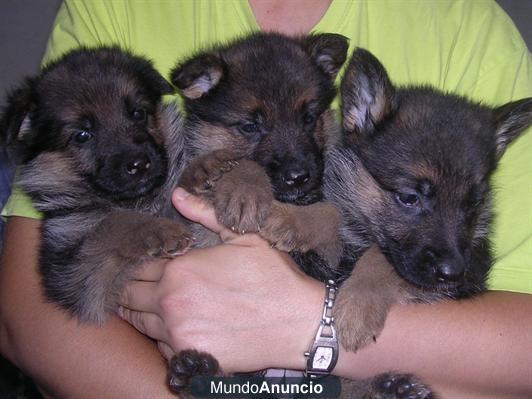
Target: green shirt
{"type": "Point", "coordinates": [468, 47]}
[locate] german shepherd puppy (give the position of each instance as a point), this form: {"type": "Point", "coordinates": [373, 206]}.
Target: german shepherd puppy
{"type": "Point", "coordinates": [257, 117]}
{"type": "Point", "coordinates": [99, 156]}
{"type": "Point", "coordinates": [412, 178]}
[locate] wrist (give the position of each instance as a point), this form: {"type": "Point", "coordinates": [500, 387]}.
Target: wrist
{"type": "Point", "coordinates": [300, 333]}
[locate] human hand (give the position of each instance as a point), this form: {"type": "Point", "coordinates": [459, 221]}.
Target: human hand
{"type": "Point", "coordinates": [244, 302]}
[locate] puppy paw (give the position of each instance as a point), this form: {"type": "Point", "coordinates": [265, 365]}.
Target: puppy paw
{"type": "Point", "coordinates": [281, 230]}
{"type": "Point", "coordinates": [187, 364]}
{"type": "Point", "coordinates": [243, 198]}
{"type": "Point", "coordinates": [201, 175]}
{"type": "Point", "coordinates": [165, 239]}
{"type": "Point", "coordinates": [360, 318]}
{"type": "Point", "coordinates": [400, 386]}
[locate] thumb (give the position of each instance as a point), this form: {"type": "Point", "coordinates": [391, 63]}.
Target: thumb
{"type": "Point", "coordinates": [198, 210]}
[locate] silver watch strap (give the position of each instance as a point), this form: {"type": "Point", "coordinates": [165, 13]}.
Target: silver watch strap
{"type": "Point", "coordinates": [323, 353]}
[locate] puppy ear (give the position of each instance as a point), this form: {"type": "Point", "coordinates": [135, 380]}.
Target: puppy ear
{"type": "Point", "coordinates": [511, 120]}
{"type": "Point", "coordinates": [368, 96]}
{"type": "Point", "coordinates": [328, 50]}
{"type": "Point", "coordinates": [15, 122]}
{"type": "Point", "coordinates": [161, 84]}
{"type": "Point", "coordinates": [198, 75]}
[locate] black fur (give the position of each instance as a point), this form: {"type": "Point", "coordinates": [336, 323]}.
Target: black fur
{"type": "Point", "coordinates": [413, 176]}
{"type": "Point", "coordinates": [270, 94]}
{"type": "Point", "coordinates": [93, 142]}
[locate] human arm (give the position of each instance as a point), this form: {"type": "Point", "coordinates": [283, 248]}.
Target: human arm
{"type": "Point", "coordinates": [467, 349]}
{"type": "Point", "coordinates": [62, 356]}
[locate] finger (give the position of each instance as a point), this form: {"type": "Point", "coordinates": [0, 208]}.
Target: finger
{"type": "Point", "coordinates": [151, 271]}
{"type": "Point", "coordinates": [165, 350]}
{"type": "Point", "coordinates": [197, 210]}
{"type": "Point", "coordinates": [148, 324]}
{"type": "Point", "coordinates": [140, 296]}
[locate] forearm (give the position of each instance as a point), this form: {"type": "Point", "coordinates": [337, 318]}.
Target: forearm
{"type": "Point", "coordinates": [477, 348]}
{"type": "Point", "coordinates": [68, 359]}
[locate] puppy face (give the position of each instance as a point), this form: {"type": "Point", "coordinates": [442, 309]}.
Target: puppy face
{"type": "Point", "coordinates": [267, 97]}
{"type": "Point", "coordinates": [92, 115]}
{"type": "Point", "coordinates": [424, 161]}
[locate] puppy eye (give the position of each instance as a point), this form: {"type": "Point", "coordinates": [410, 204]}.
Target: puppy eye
{"type": "Point", "coordinates": [309, 119]}
{"type": "Point", "coordinates": [249, 128]}
{"type": "Point", "coordinates": [407, 199]}
{"type": "Point", "coordinates": [139, 114]}
{"type": "Point", "coordinates": [82, 137]}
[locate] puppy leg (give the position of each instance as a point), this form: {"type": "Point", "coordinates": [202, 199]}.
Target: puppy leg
{"type": "Point", "coordinates": [365, 298]}
{"type": "Point", "coordinates": [304, 228]}
{"type": "Point", "coordinates": [114, 250]}
{"type": "Point", "coordinates": [240, 190]}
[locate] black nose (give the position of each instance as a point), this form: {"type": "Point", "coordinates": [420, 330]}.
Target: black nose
{"type": "Point", "coordinates": [447, 269]}
{"type": "Point", "coordinates": [138, 165]}
{"type": "Point", "coordinates": [296, 176]}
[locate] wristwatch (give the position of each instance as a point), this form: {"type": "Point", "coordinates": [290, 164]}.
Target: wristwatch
{"type": "Point", "coordinates": [323, 353]}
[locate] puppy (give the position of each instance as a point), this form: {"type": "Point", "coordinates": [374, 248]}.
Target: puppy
{"type": "Point", "coordinates": [412, 178]}
{"type": "Point", "coordinates": [99, 156]}
{"type": "Point", "coordinates": [258, 118]}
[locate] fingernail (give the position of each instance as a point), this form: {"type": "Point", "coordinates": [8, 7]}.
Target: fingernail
{"type": "Point", "coordinates": [120, 311]}
{"type": "Point", "coordinates": [181, 194]}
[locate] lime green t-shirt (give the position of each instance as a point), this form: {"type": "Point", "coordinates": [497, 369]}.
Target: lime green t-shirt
{"type": "Point", "coordinates": [468, 47]}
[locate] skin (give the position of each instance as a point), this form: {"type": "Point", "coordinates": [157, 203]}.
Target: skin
{"type": "Point", "coordinates": [54, 349]}
{"type": "Point", "coordinates": [187, 302]}
{"type": "Point", "coordinates": [109, 367]}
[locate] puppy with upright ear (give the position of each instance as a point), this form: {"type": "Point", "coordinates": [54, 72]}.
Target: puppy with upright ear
{"type": "Point", "coordinates": [368, 96]}
{"type": "Point", "coordinates": [412, 182]}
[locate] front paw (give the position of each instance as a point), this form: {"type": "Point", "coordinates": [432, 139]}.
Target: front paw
{"type": "Point", "coordinates": [243, 198]}
{"type": "Point", "coordinates": [187, 364]}
{"type": "Point", "coordinates": [305, 228]}
{"type": "Point", "coordinates": [281, 230]}
{"type": "Point", "coordinates": [400, 386]}
{"type": "Point", "coordinates": [201, 175]}
{"type": "Point", "coordinates": [360, 317]}
{"type": "Point", "coordinates": [165, 238]}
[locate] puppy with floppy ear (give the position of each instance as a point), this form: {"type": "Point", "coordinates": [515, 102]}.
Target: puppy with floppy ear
{"type": "Point", "coordinates": [258, 119]}
{"type": "Point", "coordinates": [263, 99]}
{"type": "Point", "coordinates": [99, 156]}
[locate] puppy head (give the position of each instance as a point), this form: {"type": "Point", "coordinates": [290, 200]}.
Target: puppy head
{"type": "Point", "coordinates": [425, 163]}
{"type": "Point", "coordinates": [95, 110]}
{"type": "Point", "coordinates": [267, 97]}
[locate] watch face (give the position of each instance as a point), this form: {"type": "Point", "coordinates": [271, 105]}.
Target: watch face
{"type": "Point", "coordinates": [322, 358]}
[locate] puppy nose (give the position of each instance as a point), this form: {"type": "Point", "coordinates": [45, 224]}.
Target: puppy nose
{"type": "Point", "coordinates": [296, 177]}
{"type": "Point", "coordinates": [138, 165]}
{"type": "Point", "coordinates": [450, 270]}
{"type": "Point", "coordinates": [447, 269]}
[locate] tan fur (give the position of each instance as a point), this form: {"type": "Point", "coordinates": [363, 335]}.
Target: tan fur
{"type": "Point", "coordinates": [363, 302]}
